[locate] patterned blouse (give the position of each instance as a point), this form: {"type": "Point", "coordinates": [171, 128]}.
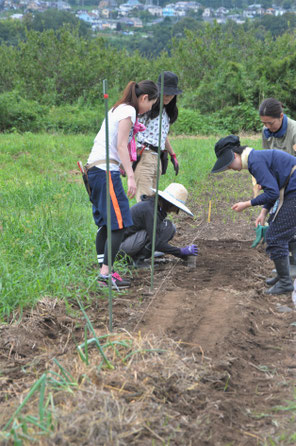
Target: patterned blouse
{"type": "Point", "coordinates": [150, 135]}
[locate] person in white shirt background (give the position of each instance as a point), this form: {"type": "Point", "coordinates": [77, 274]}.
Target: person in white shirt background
{"type": "Point", "coordinates": [137, 98]}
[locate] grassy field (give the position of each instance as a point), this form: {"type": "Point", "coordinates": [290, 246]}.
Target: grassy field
{"type": "Point", "coordinates": [46, 229]}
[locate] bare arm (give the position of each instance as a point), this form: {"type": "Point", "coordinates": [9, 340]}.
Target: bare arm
{"type": "Point", "coordinates": [168, 146]}
{"type": "Point", "coordinates": [261, 217]}
{"type": "Point", "coordinates": [238, 207]}
{"type": "Point", "coordinates": [124, 128]}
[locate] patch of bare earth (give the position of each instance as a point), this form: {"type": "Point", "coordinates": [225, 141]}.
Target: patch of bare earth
{"type": "Point", "coordinates": [215, 355]}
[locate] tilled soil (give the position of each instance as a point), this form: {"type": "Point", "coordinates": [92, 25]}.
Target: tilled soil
{"type": "Point", "coordinates": [221, 320]}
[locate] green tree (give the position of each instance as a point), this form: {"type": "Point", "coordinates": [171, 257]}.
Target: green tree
{"type": "Point", "coordinates": [189, 23]}
{"type": "Point", "coordinates": [217, 65]}
{"type": "Point", "coordinates": [61, 67]}
{"type": "Point", "coordinates": [287, 4]}
{"type": "Point", "coordinates": [55, 19]}
{"type": "Point", "coordinates": [266, 4]}
{"type": "Point", "coordinates": [159, 40]}
{"type": "Point", "coordinates": [11, 31]}
{"type": "Point", "coordinates": [8, 70]}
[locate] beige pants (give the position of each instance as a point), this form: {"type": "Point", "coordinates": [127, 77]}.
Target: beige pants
{"type": "Point", "coordinates": [145, 174]}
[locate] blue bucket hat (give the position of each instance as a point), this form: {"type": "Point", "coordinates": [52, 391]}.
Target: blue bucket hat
{"type": "Point", "coordinates": [224, 152]}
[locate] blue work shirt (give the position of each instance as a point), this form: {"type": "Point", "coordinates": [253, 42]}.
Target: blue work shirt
{"type": "Point", "coordinates": [271, 169]}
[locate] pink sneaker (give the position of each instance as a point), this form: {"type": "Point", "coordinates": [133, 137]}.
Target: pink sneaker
{"type": "Point", "coordinates": [117, 281]}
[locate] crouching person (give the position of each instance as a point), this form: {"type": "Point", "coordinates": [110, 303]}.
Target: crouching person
{"type": "Point", "coordinates": [275, 171]}
{"type": "Point", "coordinates": [137, 241]}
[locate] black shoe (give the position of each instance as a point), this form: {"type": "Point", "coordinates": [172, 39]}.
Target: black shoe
{"type": "Point", "coordinates": [272, 280]}
{"type": "Point", "coordinates": [281, 287]}
{"type": "Point", "coordinates": [284, 284]}
{"type": "Point", "coordinates": [140, 263]}
{"type": "Point", "coordinates": [117, 281]}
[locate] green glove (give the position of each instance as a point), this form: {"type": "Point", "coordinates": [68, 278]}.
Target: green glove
{"type": "Point", "coordinates": [260, 234]}
{"type": "Point", "coordinates": [264, 229]}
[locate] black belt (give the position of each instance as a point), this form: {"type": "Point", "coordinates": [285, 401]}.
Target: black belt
{"type": "Point", "coordinates": [150, 146]}
{"type": "Point", "coordinates": [93, 169]}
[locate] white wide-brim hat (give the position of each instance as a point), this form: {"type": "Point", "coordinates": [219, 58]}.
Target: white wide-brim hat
{"type": "Point", "coordinates": [176, 194]}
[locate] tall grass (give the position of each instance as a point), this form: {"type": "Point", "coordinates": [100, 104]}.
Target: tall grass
{"type": "Point", "coordinates": [46, 229]}
{"type": "Point", "coordinates": [47, 234]}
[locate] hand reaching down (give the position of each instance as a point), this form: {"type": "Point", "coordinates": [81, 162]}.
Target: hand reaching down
{"type": "Point", "coordinates": [190, 250]}
{"type": "Point", "coordinates": [175, 163]}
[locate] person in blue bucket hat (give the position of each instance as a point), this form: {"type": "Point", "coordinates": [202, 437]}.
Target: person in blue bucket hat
{"type": "Point", "coordinates": [275, 171]}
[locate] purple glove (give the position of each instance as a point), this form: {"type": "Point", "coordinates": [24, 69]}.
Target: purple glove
{"type": "Point", "coordinates": [190, 250]}
{"type": "Point", "coordinates": [175, 163]}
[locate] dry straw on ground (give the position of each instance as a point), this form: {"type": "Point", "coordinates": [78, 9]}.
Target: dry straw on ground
{"type": "Point", "coordinates": [135, 402]}
{"type": "Point", "coordinates": [145, 396]}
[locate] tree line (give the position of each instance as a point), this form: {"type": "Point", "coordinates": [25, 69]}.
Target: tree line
{"type": "Point", "coordinates": [224, 72]}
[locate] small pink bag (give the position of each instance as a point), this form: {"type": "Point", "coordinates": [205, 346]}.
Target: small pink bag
{"type": "Point", "coordinates": [132, 146]}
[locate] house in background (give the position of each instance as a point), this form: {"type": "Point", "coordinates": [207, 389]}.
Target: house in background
{"type": "Point", "coordinates": [155, 10]}
{"type": "Point", "coordinates": [169, 11]}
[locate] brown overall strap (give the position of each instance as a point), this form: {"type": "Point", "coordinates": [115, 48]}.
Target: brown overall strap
{"type": "Point", "coordinates": [282, 192]}
{"type": "Point", "coordinates": [96, 163]}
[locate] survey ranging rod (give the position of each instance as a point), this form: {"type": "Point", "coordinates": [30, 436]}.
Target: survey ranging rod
{"type": "Point", "coordinates": [105, 94]}
{"type": "Point", "coordinates": [157, 181]}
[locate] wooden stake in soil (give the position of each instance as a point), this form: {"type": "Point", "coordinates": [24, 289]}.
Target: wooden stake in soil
{"type": "Point", "coordinates": [209, 213]}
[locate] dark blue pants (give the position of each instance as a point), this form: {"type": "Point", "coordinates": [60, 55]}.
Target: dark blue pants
{"type": "Point", "coordinates": [283, 229]}
{"type": "Point", "coordinates": [120, 211]}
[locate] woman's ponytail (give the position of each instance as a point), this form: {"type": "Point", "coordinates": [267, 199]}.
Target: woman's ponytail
{"type": "Point", "coordinates": [133, 90]}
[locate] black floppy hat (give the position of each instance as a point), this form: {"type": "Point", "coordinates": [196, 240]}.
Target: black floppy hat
{"type": "Point", "coordinates": [170, 83]}
{"type": "Point", "coordinates": [224, 152]}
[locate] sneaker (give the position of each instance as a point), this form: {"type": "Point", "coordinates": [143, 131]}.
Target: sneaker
{"type": "Point", "coordinates": [158, 254]}
{"type": "Point", "coordinates": [117, 281]}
